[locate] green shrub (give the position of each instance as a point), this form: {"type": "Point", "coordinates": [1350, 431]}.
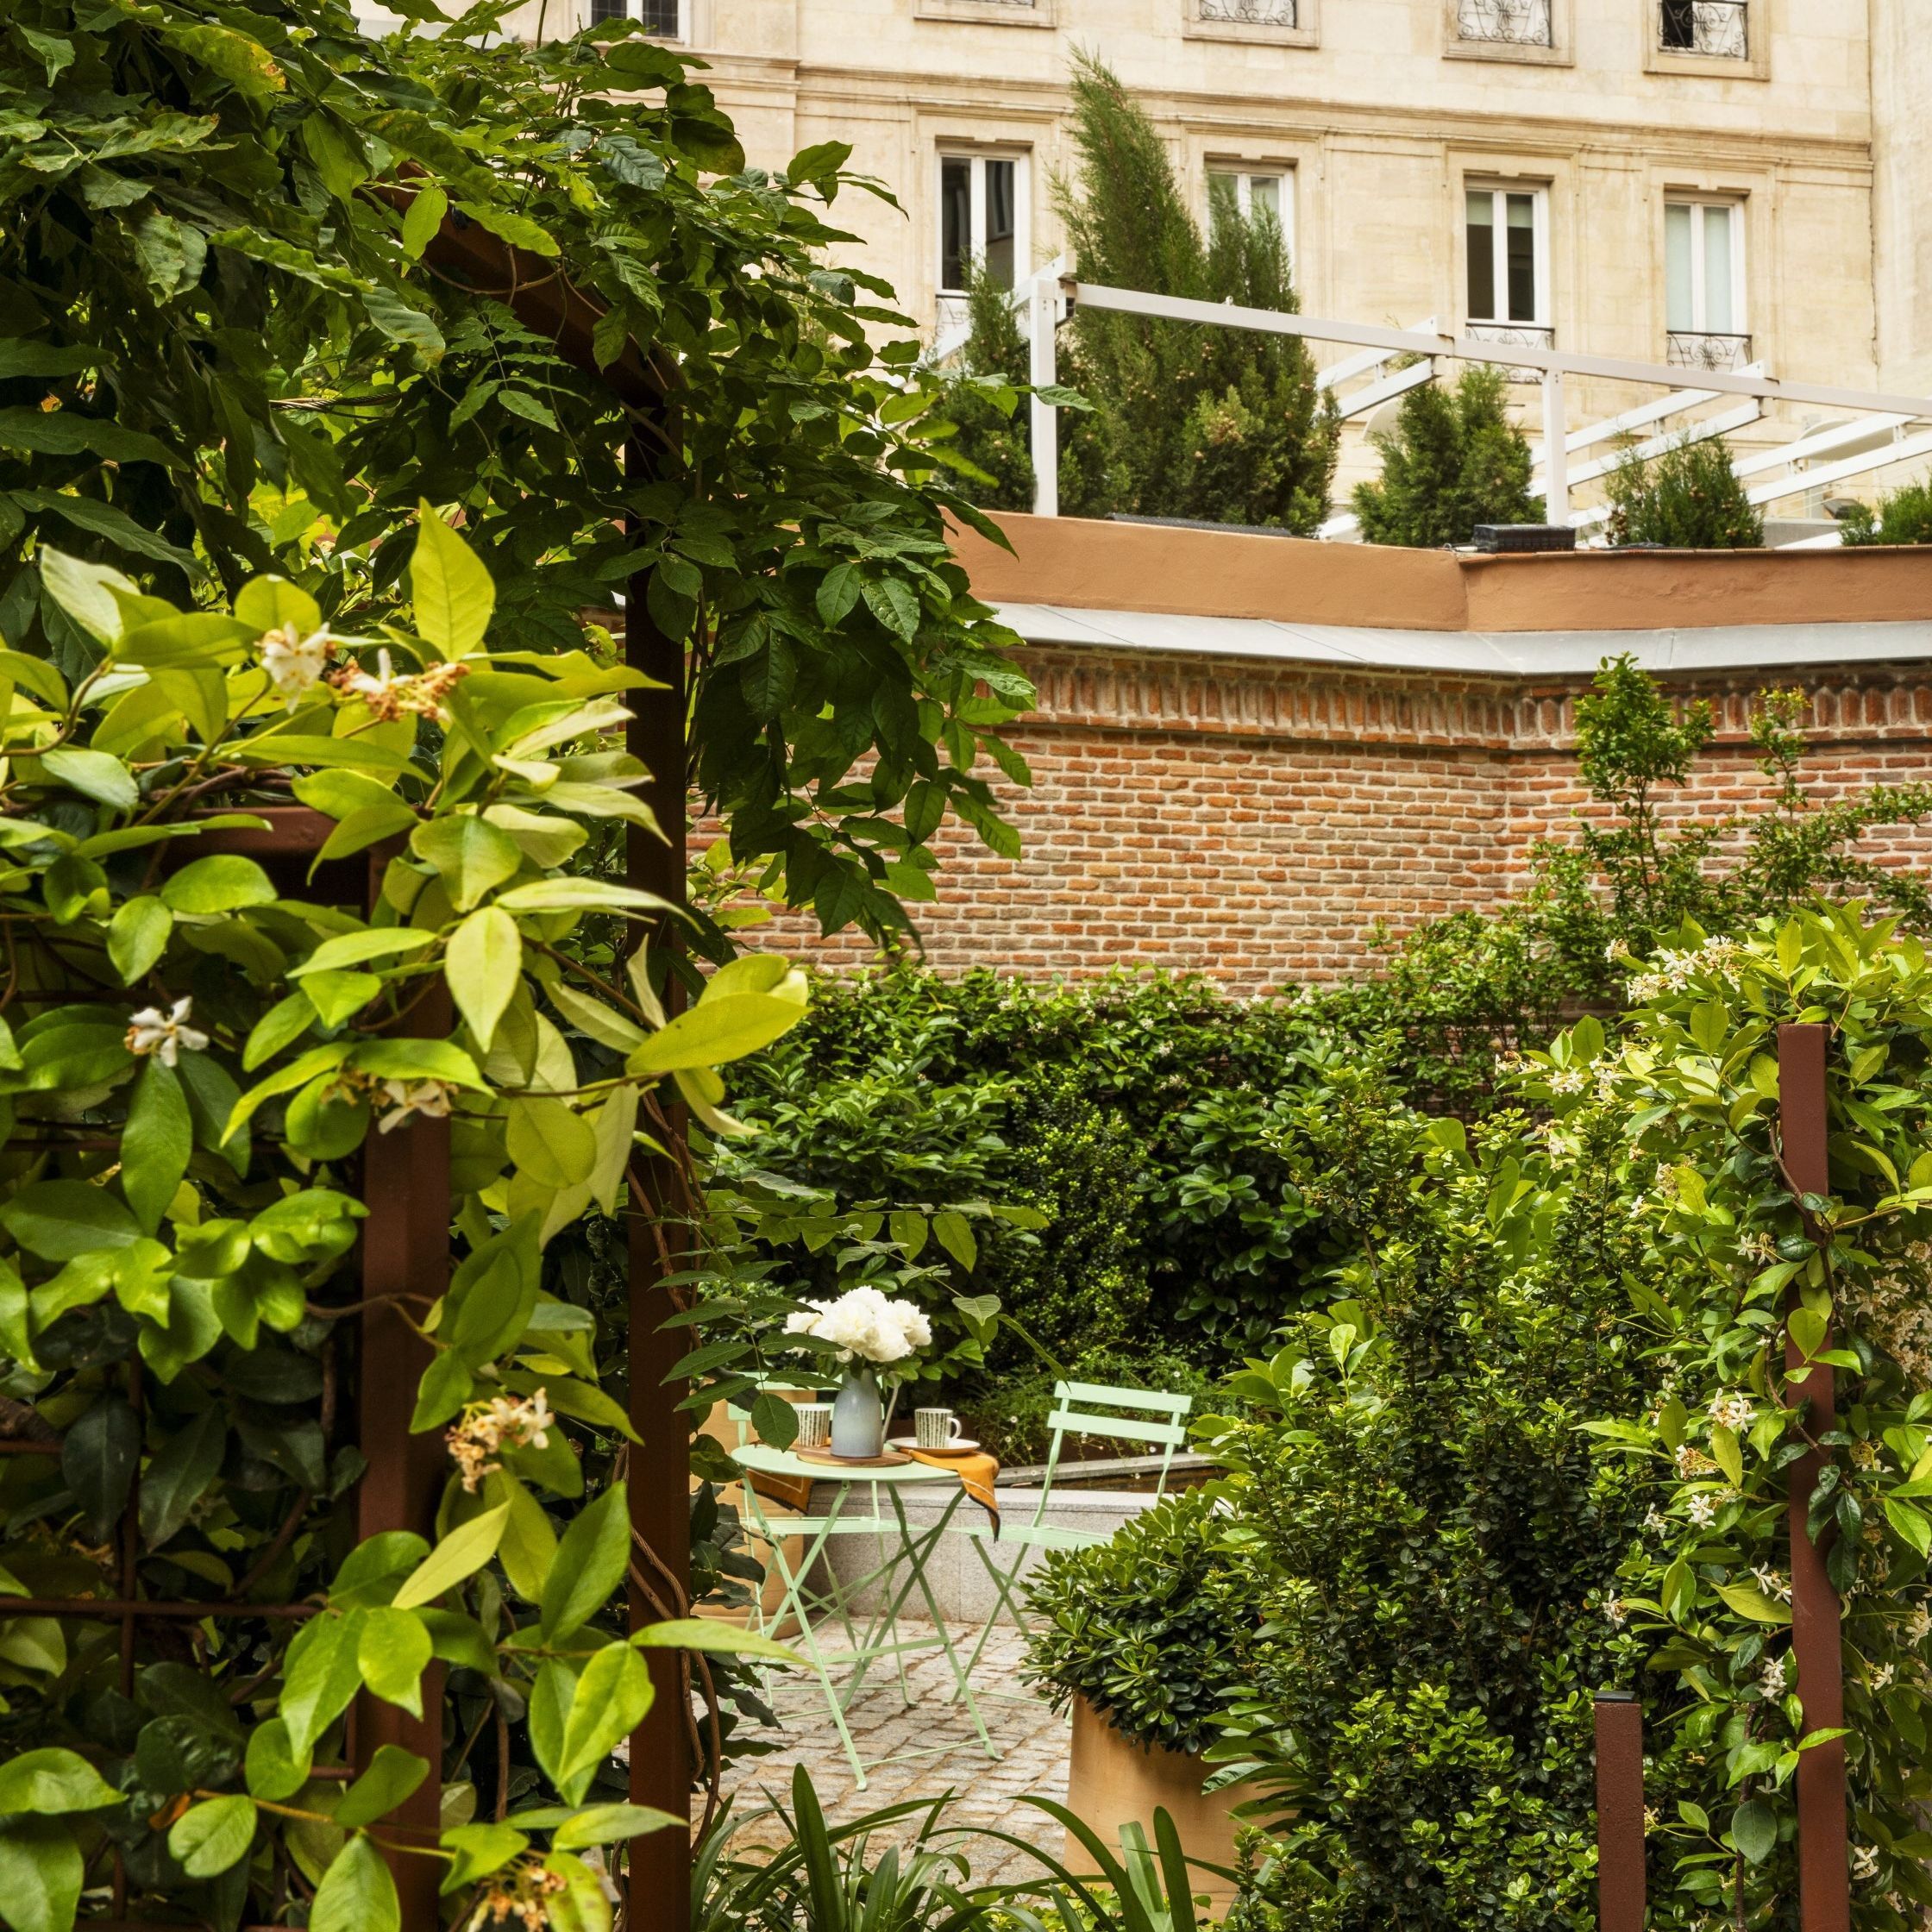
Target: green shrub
{"type": "Point", "coordinates": [1686, 497]}
{"type": "Point", "coordinates": [983, 401]}
{"type": "Point", "coordinates": [1153, 1629]}
{"type": "Point", "coordinates": [1453, 460]}
{"type": "Point", "coordinates": [1904, 516]}
{"type": "Point", "coordinates": [1220, 424]}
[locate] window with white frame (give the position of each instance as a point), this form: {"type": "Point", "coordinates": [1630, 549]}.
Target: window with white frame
{"type": "Point", "coordinates": [1703, 282]}
{"type": "Point", "coordinates": [666, 18]}
{"type": "Point", "coordinates": [1506, 246]}
{"type": "Point", "coordinates": [983, 218]}
{"type": "Point", "coordinates": [1250, 191]}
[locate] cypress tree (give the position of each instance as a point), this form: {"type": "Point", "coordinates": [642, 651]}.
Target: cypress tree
{"type": "Point", "coordinates": [983, 399]}
{"type": "Point", "coordinates": [1453, 460]}
{"type": "Point", "coordinates": [1226, 425]}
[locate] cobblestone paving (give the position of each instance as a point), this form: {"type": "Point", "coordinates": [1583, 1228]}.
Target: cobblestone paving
{"type": "Point", "coordinates": [1031, 1740]}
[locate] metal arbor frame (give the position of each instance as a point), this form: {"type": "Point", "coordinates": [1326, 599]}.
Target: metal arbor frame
{"type": "Point", "coordinates": [406, 1238]}
{"type": "Point", "coordinates": [1049, 297]}
{"type": "Point", "coordinates": [1823, 1837]}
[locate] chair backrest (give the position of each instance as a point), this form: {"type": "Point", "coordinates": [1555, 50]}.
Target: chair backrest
{"type": "Point", "coordinates": [1153, 1417]}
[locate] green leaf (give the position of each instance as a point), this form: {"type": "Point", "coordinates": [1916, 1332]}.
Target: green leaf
{"type": "Point", "coordinates": [613, 1694]}
{"type": "Point", "coordinates": [356, 1893]}
{"type": "Point", "coordinates": [320, 1676]}
{"type": "Point", "coordinates": [209, 1837]}
{"type": "Point", "coordinates": [451, 590]}
{"type": "Point", "coordinates": [590, 1565]}
{"type": "Point", "coordinates": [517, 229]}
{"type": "Point", "coordinates": [98, 1458]}
{"type": "Point", "coordinates": [393, 1652]}
{"type": "Point", "coordinates": [708, 1633]}
{"type": "Point", "coordinates": [178, 1476]}
{"type": "Point", "coordinates": [423, 219]}
{"type": "Point", "coordinates": [156, 1143]}
{"type": "Point", "coordinates": [461, 1554]}
{"type": "Point", "coordinates": [1911, 1524]}
{"type": "Point", "coordinates": [581, 1905]}
{"type": "Point", "coordinates": [222, 883]}
{"type": "Point", "coordinates": [89, 593]}
{"type": "Point", "coordinates": [274, 1769]}
{"type": "Point", "coordinates": [716, 1031]}
{"type": "Point", "coordinates": [611, 1824]}
{"type": "Point", "coordinates": [483, 961]}
{"type": "Point", "coordinates": [1727, 1453]}
{"type": "Point", "coordinates": [1755, 1604]}
{"type": "Point", "coordinates": [530, 1545]}
{"type": "Point", "coordinates": [41, 1873]}
{"type": "Point", "coordinates": [892, 601]}
{"type": "Point", "coordinates": [373, 1571]}
{"type": "Point", "coordinates": [953, 1232]}
{"type": "Point", "coordinates": [1754, 1830]}
{"type": "Point", "coordinates": [94, 775]}
{"type": "Point", "coordinates": [479, 1850]}
{"type": "Point", "coordinates": [60, 1220]}
{"type": "Point", "coordinates": [909, 1229]}
{"type": "Point", "coordinates": [138, 936]}
{"type": "Point", "coordinates": [472, 857]}
{"type": "Point", "coordinates": [357, 949]}
{"type": "Point", "coordinates": [393, 1773]}
{"type": "Point", "coordinates": [552, 1143]}
{"type": "Point", "coordinates": [54, 1780]}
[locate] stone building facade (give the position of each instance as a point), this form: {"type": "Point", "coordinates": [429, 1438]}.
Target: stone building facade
{"type": "Point", "coordinates": [1251, 755]}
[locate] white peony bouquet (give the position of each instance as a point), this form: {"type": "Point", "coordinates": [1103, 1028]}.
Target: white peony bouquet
{"type": "Point", "coordinates": [864, 1322]}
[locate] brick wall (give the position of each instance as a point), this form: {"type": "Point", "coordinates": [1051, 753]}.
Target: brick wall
{"type": "Point", "coordinates": [1257, 820]}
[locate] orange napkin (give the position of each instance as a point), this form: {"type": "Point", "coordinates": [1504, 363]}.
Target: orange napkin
{"type": "Point", "coordinates": [977, 1474]}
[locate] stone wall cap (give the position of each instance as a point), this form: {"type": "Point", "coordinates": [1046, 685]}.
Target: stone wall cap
{"type": "Point", "coordinates": [1071, 564]}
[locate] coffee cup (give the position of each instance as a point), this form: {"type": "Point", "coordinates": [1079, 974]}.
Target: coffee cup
{"type": "Point", "coordinates": [814, 1424]}
{"type": "Point", "coordinates": [936, 1428]}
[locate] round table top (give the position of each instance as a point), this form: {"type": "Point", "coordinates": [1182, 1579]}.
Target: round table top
{"type": "Point", "coordinates": [781, 1462]}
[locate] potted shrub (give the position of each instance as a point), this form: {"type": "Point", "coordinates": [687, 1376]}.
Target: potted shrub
{"type": "Point", "coordinates": [1145, 1638]}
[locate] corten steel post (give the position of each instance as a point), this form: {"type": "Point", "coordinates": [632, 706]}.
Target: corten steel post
{"type": "Point", "coordinates": [1823, 1874]}
{"type": "Point", "coordinates": [660, 1758]}
{"type": "Point", "coordinates": [406, 1251]}
{"type": "Point", "coordinates": [1620, 1811]}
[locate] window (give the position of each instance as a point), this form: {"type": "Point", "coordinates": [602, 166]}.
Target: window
{"type": "Point", "coordinates": [981, 218]}
{"type": "Point", "coordinates": [1704, 283]}
{"type": "Point", "coordinates": [1510, 23]}
{"type": "Point", "coordinates": [1251, 13]}
{"type": "Point", "coordinates": [1251, 192]}
{"type": "Point", "coordinates": [665, 18]}
{"type": "Point", "coordinates": [1708, 27]}
{"type": "Point", "coordinates": [1507, 247]}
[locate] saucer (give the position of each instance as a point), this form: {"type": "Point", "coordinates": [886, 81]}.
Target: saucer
{"type": "Point", "coordinates": [960, 1445]}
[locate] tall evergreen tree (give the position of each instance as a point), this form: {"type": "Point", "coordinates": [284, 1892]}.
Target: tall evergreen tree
{"type": "Point", "coordinates": [981, 402]}
{"type": "Point", "coordinates": [1222, 424]}
{"type": "Point", "coordinates": [1453, 460]}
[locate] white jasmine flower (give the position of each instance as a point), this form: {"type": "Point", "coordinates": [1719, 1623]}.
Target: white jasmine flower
{"type": "Point", "coordinates": [1732, 1412]}
{"type": "Point", "coordinates": [1704, 1510]}
{"type": "Point", "coordinates": [1882, 1678]}
{"type": "Point", "coordinates": [1864, 1862]}
{"type": "Point", "coordinates": [165, 1034]}
{"type": "Point", "coordinates": [407, 1098]}
{"type": "Point", "coordinates": [295, 663]}
{"type": "Point", "coordinates": [1918, 1624]}
{"type": "Point", "coordinates": [1770, 1677]}
{"type": "Point", "coordinates": [1773, 1582]}
{"type": "Point", "coordinates": [1656, 1521]}
{"type": "Point", "coordinates": [485, 1427]}
{"type": "Point", "coordinates": [1615, 1613]}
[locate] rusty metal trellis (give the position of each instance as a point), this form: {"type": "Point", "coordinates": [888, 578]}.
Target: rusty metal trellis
{"type": "Point", "coordinates": [1620, 1811]}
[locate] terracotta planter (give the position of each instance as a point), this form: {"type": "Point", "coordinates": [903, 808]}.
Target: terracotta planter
{"type": "Point", "coordinates": [1114, 1779]}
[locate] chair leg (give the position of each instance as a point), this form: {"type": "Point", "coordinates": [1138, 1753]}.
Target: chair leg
{"type": "Point", "coordinates": [1003, 1582]}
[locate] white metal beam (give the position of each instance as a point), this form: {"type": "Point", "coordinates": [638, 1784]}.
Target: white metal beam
{"type": "Point", "coordinates": [1350, 366]}
{"type": "Point", "coordinates": [1641, 417]}
{"type": "Point", "coordinates": [1719, 425]}
{"type": "Point", "coordinates": [1470, 348]}
{"type": "Point", "coordinates": [1861, 465]}
{"type": "Point", "coordinates": [1365, 400]}
{"type": "Point", "coordinates": [1821, 442]}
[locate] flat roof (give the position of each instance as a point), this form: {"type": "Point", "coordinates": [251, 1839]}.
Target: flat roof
{"type": "Point", "coordinates": [1068, 581]}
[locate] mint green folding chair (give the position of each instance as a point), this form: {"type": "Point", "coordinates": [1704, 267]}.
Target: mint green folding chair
{"type": "Point", "coordinates": [1155, 1419]}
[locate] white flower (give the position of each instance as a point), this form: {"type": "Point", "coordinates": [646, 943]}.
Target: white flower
{"type": "Point", "coordinates": [1770, 1677]}
{"type": "Point", "coordinates": [1883, 1677]}
{"type": "Point", "coordinates": [1732, 1412]}
{"type": "Point", "coordinates": [165, 1034]}
{"type": "Point", "coordinates": [1615, 1612]}
{"type": "Point", "coordinates": [1656, 1521]}
{"type": "Point", "coordinates": [1704, 1509]}
{"type": "Point", "coordinates": [1918, 1624]}
{"type": "Point", "coordinates": [295, 663]}
{"type": "Point", "coordinates": [1864, 1862]}
{"type": "Point", "coordinates": [1773, 1582]}
{"type": "Point", "coordinates": [865, 1323]}
{"type": "Point", "coordinates": [407, 1098]}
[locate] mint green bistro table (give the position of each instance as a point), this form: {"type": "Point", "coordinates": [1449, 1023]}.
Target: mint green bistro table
{"type": "Point", "coordinates": [905, 1553]}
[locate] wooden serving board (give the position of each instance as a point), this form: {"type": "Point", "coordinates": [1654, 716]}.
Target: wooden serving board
{"type": "Point", "coordinates": [892, 1460]}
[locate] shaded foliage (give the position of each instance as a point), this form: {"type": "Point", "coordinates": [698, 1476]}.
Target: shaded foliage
{"type": "Point", "coordinates": [1453, 460]}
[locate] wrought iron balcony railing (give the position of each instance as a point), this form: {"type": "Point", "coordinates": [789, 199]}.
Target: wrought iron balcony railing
{"type": "Point", "coordinates": [1714, 27]}
{"type": "Point", "coordinates": [1514, 22]}
{"type": "Point", "coordinates": [1514, 334]}
{"type": "Point", "coordinates": [1700, 348]}
{"type": "Point", "coordinates": [1250, 13]}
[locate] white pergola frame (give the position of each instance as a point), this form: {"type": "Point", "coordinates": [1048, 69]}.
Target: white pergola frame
{"type": "Point", "coordinates": [1050, 295]}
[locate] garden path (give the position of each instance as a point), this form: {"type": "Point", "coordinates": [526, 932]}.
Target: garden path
{"type": "Point", "coordinates": [1032, 1742]}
